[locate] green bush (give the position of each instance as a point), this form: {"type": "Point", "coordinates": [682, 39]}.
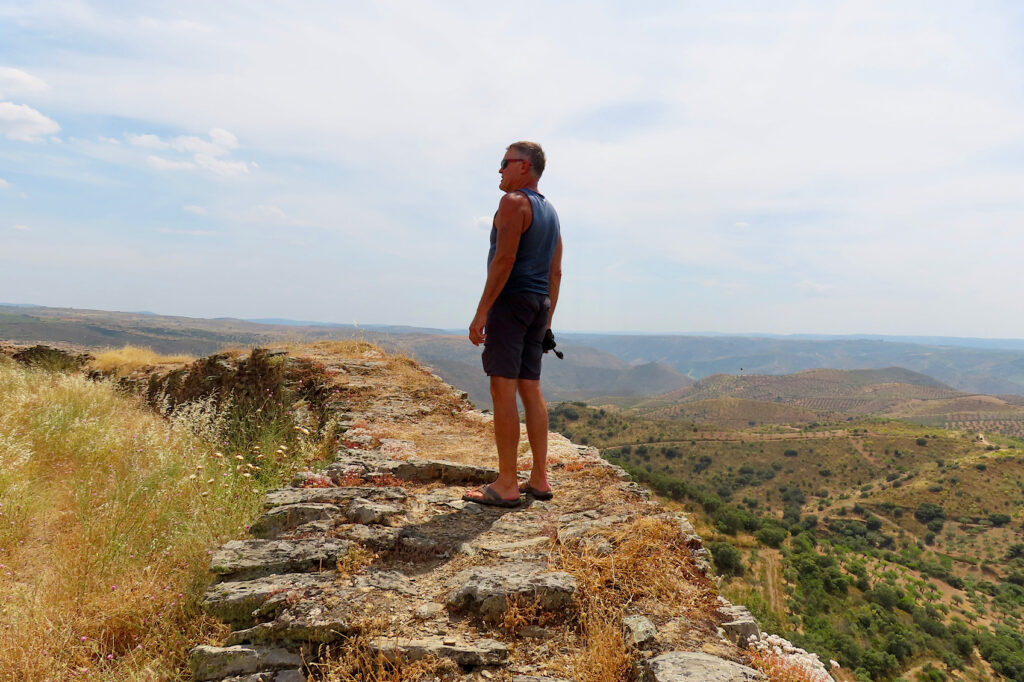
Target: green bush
{"type": "Point", "coordinates": [772, 536]}
{"type": "Point", "coordinates": [728, 560]}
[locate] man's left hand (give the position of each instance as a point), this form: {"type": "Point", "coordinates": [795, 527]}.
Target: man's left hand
{"type": "Point", "coordinates": [476, 329]}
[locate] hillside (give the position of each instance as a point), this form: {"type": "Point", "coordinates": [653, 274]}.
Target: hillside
{"type": "Point", "coordinates": [982, 369]}
{"type": "Point", "coordinates": [885, 545]}
{"type": "Point", "coordinates": [584, 373]}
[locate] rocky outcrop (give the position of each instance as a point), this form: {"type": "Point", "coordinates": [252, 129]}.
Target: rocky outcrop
{"type": "Point", "coordinates": [381, 553]}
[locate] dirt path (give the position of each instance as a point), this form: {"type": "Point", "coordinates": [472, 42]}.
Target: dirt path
{"type": "Point", "coordinates": [773, 581]}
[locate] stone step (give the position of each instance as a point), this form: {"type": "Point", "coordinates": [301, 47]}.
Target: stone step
{"type": "Point", "coordinates": [368, 462]}
{"type": "Point", "coordinates": [693, 666]}
{"type": "Point", "coordinates": [216, 663]}
{"type": "Point", "coordinates": [304, 621]}
{"type": "Point", "coordinates": [235, 602]}
{"type": "Point", "coordinates": [280, 520]}
{"type": "Point", "coordinates": [480, 652]}
{"type": "Point", "coordinates": [332, 495]}
{"type": "Point", "coordinates": [247, 559]}
{"type": "Point", "coordinates": [485, 590]}
{"type": "Point", "coordinates": [294, 675]}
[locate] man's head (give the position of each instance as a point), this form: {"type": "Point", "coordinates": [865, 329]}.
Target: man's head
{"type": "Point", "coordinates": [522, 165]}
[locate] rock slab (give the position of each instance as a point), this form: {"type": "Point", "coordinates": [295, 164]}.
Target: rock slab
{"type": "Point", "coordinates": [216, 663]}
{"type": "Point", "coordinates": [486, 589]}
{"type": "Point", "coordinates": [693, 666]}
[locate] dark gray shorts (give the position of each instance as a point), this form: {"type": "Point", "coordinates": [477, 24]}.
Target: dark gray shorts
{"type": "Point", "coordinates": [515, 329]}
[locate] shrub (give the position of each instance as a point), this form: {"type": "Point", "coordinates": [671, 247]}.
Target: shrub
{"type": "Point", "coordinates": [772, 536]}
{"type": "Point", "coordinates": [728, 560]}
{"type": "Point", "coordinates": [790, 453]}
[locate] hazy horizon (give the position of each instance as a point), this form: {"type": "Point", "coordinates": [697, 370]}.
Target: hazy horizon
{"type": "Point", "coordinates": [796, 335]}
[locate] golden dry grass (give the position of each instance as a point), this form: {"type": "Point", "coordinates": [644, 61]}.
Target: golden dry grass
{"type": "Point", "coordinates": [355, 661]}
{"type": "Point", "coordinates": [649, 571]}
{"type": "Point", "coordinates": [122, 361]}
{"type": "Point", "coordinates": [107, 514]}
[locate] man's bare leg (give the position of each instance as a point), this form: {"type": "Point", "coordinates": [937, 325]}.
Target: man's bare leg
{"type": "Point", "coordinates": [537, 431]}
{"type": "Point", "coordinates": [506, 436]}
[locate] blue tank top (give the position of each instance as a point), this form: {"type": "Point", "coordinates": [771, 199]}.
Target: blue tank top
{"type": "Point", "coordinates": [536, 248]}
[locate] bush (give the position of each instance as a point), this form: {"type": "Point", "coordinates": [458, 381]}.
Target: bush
{"type": "Point", "coordinates": [927, 511]}
{"type": "Point", "coordinates": [790, 453]}
{"type": "Point", "coordinates": [921, 441]}
{"type": "Point", "coordinates": [728, 560]}
{"type": "Point", "coordinates": [772, 536]}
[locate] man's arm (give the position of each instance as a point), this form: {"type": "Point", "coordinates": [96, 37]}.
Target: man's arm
{"type": "Point", "coordinates": [555, 279]}
{"type": "Point", "coordinates": [513, 216]}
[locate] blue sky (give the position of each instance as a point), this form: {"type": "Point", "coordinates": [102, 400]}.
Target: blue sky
{"type": "Point", "coordinates": [818, 167]}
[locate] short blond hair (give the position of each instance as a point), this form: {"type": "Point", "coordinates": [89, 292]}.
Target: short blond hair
{"type": "Point", "coordinates": [533, 153]}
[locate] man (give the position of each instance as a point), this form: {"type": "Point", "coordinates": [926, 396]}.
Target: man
{"type": "Point", "coordinates": [524, 271]}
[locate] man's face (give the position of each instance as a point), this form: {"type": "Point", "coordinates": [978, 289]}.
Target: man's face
{"type": "Point", "coordinates": [514, 170]}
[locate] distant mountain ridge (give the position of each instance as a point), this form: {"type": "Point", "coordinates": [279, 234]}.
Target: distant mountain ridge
{"type": "Point", "coordinates": [595, 364]}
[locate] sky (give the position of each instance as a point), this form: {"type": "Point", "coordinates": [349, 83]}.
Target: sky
{"type": "Point", "coordinates": [743, 167]}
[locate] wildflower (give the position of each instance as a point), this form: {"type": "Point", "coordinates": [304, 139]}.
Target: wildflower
{"type": "Point", "coordinates": [239, 457]}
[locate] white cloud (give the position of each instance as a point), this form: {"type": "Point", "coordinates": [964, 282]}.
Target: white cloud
{"type": "Point", "coordinates": [192, 208]}
{"type": "Point", "coordinates": [165, 164]}
{"type": "Point", "coordinates": [22, 122]}
{"type": "Point", "coordinates": [4, 184]}
{"type": "Point", "coordinates": [205, 153]}
{"type": "Point", "coordinates": [220, 166]}
{"type": "Point", "coordinates": [108, 140]}
{"type": "Point", "coordinates": [17, 82]}
{"type": "Point", "coordinates": [22, 228]}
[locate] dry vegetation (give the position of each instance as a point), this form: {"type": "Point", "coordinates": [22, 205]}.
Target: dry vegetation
{"type": "Point", "coordinates": [122, 361]}
{"type": "Point", "coordinates": [107, 513]}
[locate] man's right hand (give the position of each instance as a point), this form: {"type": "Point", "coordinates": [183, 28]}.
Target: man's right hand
{"type": "Point", "coordinates": [476, 329]}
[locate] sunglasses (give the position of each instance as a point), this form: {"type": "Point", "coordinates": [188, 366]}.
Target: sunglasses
{"type": "Point", "coordinates": [506, 162]}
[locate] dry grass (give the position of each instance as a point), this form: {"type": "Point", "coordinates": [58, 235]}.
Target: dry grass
{"type": "Point", "coordinates": [649, 571]}
{"type": "Point", "coordinates": [107, 513]}
{"type": "Point", "coordinates": [355, 661]}
{"type": "Point", "coordinates": [122, 361]}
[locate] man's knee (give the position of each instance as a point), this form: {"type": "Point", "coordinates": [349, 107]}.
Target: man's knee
{"type": "Point", "coordinates": [502, 388]}
{"type": "Point", "coordinates": [529, 390]}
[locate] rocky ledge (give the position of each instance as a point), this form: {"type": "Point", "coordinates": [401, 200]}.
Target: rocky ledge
{"type": "Point", "coordinates": [379, 557]}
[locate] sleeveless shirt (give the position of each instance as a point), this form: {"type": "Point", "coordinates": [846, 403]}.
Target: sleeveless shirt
{"type": "Point", "coordinates": [536, 248]}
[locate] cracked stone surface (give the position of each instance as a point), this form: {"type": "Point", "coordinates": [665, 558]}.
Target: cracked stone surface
{"type": "Point", "coordinates": [337, 495]}
{"type": "Point", "coordinates": [739, 624]}
{"type": "Point", "coordinates": [480, 652]}
{"type": "Point", "coordinates": [244, 559]}
{"type": "Point", "coordinates": [235, 602]}
{"type": "Point", "coordinates": [638, 630]}
{"type": "Point", "coordinates": [486, 590]}
{"type": "Point", "coordinates": [301, 622]}
{"type": "Point", "coordinates": [290, 516]}
{"type": "Point", "coordinates": [216, 663]}
{"type": "Point", "coordinates": [692, 666]}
